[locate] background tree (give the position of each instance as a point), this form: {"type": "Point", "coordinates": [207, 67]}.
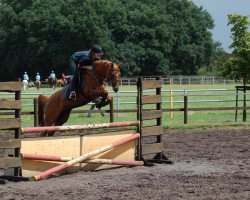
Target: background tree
{"type": "Point", "coordinates": [237, 66]}
{"type": "Point", "coordinates": [217, 55]}
{"type": "Point", "coordinates": [149, 37]}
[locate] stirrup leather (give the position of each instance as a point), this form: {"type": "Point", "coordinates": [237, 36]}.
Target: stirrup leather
{"type": "Point", "coordinates": [72, 95]}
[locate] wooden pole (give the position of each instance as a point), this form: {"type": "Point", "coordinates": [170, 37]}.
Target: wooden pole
{"type": "Point", "coordinates": [244, 105]}
{"type": "Point", "coordinates": [77, 127]}
{"type": "Point", "coordinates": [171, 98]}
{"type": "Point", "coordinates": [91, 161]}
{"type": "Point", "coordinates": [236, 110]}
{"type": "Point", "coordinates": [17, 170]}
{"type": "Point", "coordinates": [84, 157]}
{"type": "Point", "coordinates": [185, 109]}
{"type": "Point", "coordinates": [111, 111]}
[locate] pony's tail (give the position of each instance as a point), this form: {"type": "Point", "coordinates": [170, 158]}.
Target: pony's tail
{"type": "Point", "coordinates": [41, 106]}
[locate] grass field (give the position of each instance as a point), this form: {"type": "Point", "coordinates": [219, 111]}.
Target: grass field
{"type": "Point", "coordinates": [198, 96]}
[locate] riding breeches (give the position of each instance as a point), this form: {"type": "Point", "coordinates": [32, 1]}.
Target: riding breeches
{"type": "Point", "coordinates": [76, 80]}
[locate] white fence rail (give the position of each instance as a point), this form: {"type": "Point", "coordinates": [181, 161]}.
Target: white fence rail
{"type": "Point", "coordinates": [129, 97]}
{"type": "Point", "coordinates": [180, 80]}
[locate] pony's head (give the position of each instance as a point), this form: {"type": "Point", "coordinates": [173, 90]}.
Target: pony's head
{"type": "Point", "coordinates": [111, 73]}
{"type": "Point", "coordinates": [114, 76]}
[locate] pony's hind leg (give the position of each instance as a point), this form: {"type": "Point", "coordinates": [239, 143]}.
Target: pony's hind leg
{"type": "Point", "coordinates": [62, 118]}
{"type": "Point", "coordinates": [51, 117]}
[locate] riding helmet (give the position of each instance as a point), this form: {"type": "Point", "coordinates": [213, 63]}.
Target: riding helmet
{"type": "Point", "coordinates": [96, 49]}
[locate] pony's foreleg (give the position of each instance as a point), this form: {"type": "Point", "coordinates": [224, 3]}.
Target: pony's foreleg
{"type": "Point", "coordinates": [104, 101]}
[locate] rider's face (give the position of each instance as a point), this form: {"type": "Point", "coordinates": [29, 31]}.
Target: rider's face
{"type": "Point", "coordinates": [97, 56]}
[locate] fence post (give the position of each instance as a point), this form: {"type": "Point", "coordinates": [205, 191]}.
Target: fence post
{"type": "Point", "coordinates": [236, 106]}
{"type": "Point", "coordinates": [244, 105]}
{"type": "Point", "coordinates": [35, 112]}
{"type": "Point", "coordinates": [111, 111]}
{"type": "Point", "coordinates": [118, 103]}
{"type": "Point", "coordinates": [185, 109]}
{"type": "Point", "coordinates": [17, 171]}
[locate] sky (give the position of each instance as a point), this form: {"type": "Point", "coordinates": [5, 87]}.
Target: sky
{"type": "Point", "coordinates": [219, 9]}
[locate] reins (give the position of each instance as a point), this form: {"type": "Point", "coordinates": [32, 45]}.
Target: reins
{"type": "Point", "coordinates": [93, 76]}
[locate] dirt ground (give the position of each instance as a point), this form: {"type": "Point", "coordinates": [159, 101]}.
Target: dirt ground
{"type": "Point", "coordinates": [208, 164]}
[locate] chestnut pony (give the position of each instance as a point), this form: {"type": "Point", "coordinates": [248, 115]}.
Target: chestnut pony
{"type": "Point", "coordinates": [52, 82]}
{"type": "Point", "coordinates": [55, 110]}
{"type": "Point", "coordinates": [37, 84]}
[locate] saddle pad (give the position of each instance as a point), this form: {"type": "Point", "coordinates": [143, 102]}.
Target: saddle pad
{"type": "Point", "coordinates": [66, 91]}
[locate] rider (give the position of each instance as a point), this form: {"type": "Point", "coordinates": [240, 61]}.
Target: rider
{"type": "Point", "coordinates": [25, 76]}
{"type": "Point", "coordinates": [83, 58]}
{"type": "Point", "coordinates": [52, 75]}
{"type": "Point", "coordinates": [38, 78]}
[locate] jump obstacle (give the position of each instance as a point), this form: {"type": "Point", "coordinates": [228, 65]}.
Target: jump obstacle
{"type": "Point", "coordinates": [42, 157]}
{"type": "Point", "coordinates": [77, 127]}
{"type": "Point", "coordinates": [96, 161]}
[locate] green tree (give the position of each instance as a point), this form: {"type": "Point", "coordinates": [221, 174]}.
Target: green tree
{"type": "Point", "coordinates": [42, 34]}
{"type": "Point", "coordinates": [150, 37]}
{"type": "Point", "coordinates": [237, 66]}
{"type": "Point", "coordinates": [217, 55]}
{"type": "Point", "coordinates": [172, 36]}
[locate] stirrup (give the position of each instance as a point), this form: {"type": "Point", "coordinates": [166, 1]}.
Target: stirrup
{"type": "Point", "coordinates": [72, 95]}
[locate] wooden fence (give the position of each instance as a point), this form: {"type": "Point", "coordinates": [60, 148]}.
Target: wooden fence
{"type": "Point", "coordinates": [186, 109]}
{"type": "Point", "coordinates": [145, 148]}
{"type": "Point", "coordinates": [111, 111]}
{"type": "Point", "coordinates": [12, 163]}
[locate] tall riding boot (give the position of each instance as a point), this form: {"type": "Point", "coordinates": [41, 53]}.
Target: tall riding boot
{"type": "Point", "coordinates": [73, 88]}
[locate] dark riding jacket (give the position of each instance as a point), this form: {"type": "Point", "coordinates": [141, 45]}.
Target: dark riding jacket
{"type": "Point", "coordinates": [83, 57]}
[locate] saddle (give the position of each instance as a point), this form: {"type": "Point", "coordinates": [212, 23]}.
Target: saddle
{"type": "Point", "coordinates": [67, 89]}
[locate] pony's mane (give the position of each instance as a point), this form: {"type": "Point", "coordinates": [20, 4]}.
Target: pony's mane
{"type": "Point", "coordinates": [102, 62]}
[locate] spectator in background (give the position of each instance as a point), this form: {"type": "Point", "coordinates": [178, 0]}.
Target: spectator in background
{"type": "Point", "coordinates": [38, 82]}
{"type": "Point", "coordinates": [25, 82]}
{"type": "Point", "coordinates": [38, 78]}
{"type": "Point", "coordinates": [52, 75]}
{"type": "Point", "coordinates": [64, 78]}
{"type": "Point", "coordinates": [26, 77]}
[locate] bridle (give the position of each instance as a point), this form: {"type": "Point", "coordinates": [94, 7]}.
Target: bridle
{"type": "Point", "coordinates": [112, 73]}
{"type": "Point", "coordinates": [108, 79]}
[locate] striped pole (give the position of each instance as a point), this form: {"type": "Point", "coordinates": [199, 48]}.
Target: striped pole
{"type": "Point", "coordinates": [77, 127]}
{"type": "Point", "coordinates": [85, 157]}
{"type": "Point", "coordinates": [91, 161]}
